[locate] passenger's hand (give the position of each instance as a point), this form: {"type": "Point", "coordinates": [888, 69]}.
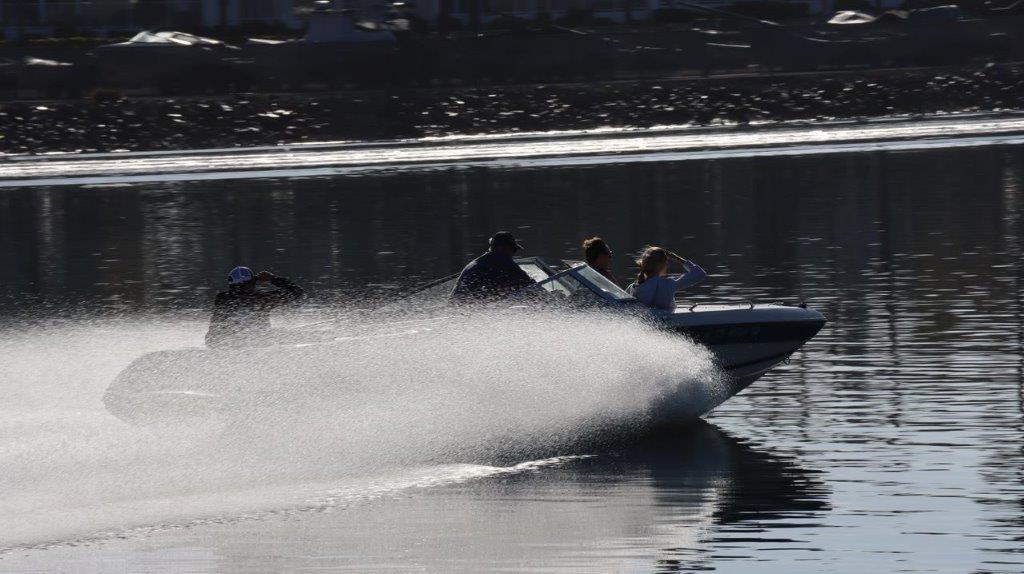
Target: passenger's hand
{"type": "Point", "coordinates": [265, 276]}
{"type": "Point", "coordinates": [686, 263]}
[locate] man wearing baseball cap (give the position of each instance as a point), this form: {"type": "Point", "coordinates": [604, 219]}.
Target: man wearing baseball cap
{"type": "Point", "coordinates": [241, 315]}
{"type": "Point", "coordinates": [494, 274]}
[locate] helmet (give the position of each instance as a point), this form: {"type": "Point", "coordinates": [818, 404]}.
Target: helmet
{"type": "Point", "coordinates": [240, 275]}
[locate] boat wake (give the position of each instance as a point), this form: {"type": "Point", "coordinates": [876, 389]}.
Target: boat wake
{"type": "Point", "coordinates": [358, 421]}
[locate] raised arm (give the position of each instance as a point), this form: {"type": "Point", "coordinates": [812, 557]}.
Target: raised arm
{"type": "Point", "coordinates": [287, 290]}
{"type": "Point", "coordinates": [693, 274]}
{"type": "Point", "coordinates": [290, 291]}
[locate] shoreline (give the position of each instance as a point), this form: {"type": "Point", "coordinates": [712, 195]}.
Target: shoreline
{"type": "Point", "coordinates": [248, 120]}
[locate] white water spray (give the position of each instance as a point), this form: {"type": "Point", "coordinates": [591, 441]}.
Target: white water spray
{"type": "Point", "coordinates": [422, 408]}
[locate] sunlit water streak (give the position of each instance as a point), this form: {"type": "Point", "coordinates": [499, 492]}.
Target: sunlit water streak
{"type": "Point", "coordinates": [496, 152]}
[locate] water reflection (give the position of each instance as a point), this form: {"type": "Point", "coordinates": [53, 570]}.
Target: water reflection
{"type": "Point", "coordinates": [673, 502]}
{"type": "Point", "coordinates": [794, 227]}
{"type": "Point", "coordinates": [757, 495]}
{"type": "Point", "coordinates": [910, 402]}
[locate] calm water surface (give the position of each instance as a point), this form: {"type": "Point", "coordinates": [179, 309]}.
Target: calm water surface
{"type": "Point", "coordinates": [892, 442]}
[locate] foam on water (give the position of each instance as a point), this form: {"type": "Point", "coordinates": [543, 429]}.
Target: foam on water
{"type": "Point", "coordinates": [331, 423]}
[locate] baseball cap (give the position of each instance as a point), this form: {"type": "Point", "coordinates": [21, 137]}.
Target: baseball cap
{"type": "Point", "coordinates": [505, 238]}
{"type": "Point", "coordinates": [239, 275]}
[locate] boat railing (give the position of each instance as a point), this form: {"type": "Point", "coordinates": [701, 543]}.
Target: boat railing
{"type": "Point", "coordinates": [750, 304]}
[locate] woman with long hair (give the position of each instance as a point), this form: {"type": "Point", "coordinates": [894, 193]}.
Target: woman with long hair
{"type": "Point", "coordinates": [599, 257]}
{"type": "Point", "coordinates": [654, 287]}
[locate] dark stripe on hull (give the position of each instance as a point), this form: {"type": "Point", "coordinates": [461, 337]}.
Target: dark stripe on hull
{"type": "Point", "coordinates": [778, 358]}
{"type": "Point", "coordinates": [752, 333]}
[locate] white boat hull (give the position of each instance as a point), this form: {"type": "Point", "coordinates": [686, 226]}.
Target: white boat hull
{"type": "Point", "coordinates": [747, 340]}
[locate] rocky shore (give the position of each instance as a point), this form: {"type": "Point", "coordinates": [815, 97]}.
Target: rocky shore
{"type": "Point", "coordinates": [107, 122]}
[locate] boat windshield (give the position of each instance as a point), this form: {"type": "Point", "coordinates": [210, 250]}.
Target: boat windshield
{"type": "Point", "coordinates": [568, 287]}
{"type": "Point", "coordinates": [583, 283]}
{"type": "Point", "coordinates": [608, 289]}
{"type": "Point", "coordinates": [534, 270]}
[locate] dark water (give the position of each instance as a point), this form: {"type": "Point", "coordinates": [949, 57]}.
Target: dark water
{"type": "Point", "coordinates": [893, 442]}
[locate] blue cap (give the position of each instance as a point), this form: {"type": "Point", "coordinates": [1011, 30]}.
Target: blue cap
{"type": "Point", "coordinates": [239, 275]}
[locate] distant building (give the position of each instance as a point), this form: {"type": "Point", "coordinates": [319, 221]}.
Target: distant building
{"type": "Point", "coordinates": [530, 10]}
{"type": "Point", "coordinates": [462, 10]}
{"type": "Point", "coordinates": [20, 18]}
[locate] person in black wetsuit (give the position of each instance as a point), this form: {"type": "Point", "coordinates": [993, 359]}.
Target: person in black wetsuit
{"type": "Point", "coordinates": [241, 315]}
{"type": "Point", "coordinates": [494, 274]}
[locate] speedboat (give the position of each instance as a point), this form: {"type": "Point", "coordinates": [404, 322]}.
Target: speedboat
{"type": "Point", "coordinates": [745, 340]}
